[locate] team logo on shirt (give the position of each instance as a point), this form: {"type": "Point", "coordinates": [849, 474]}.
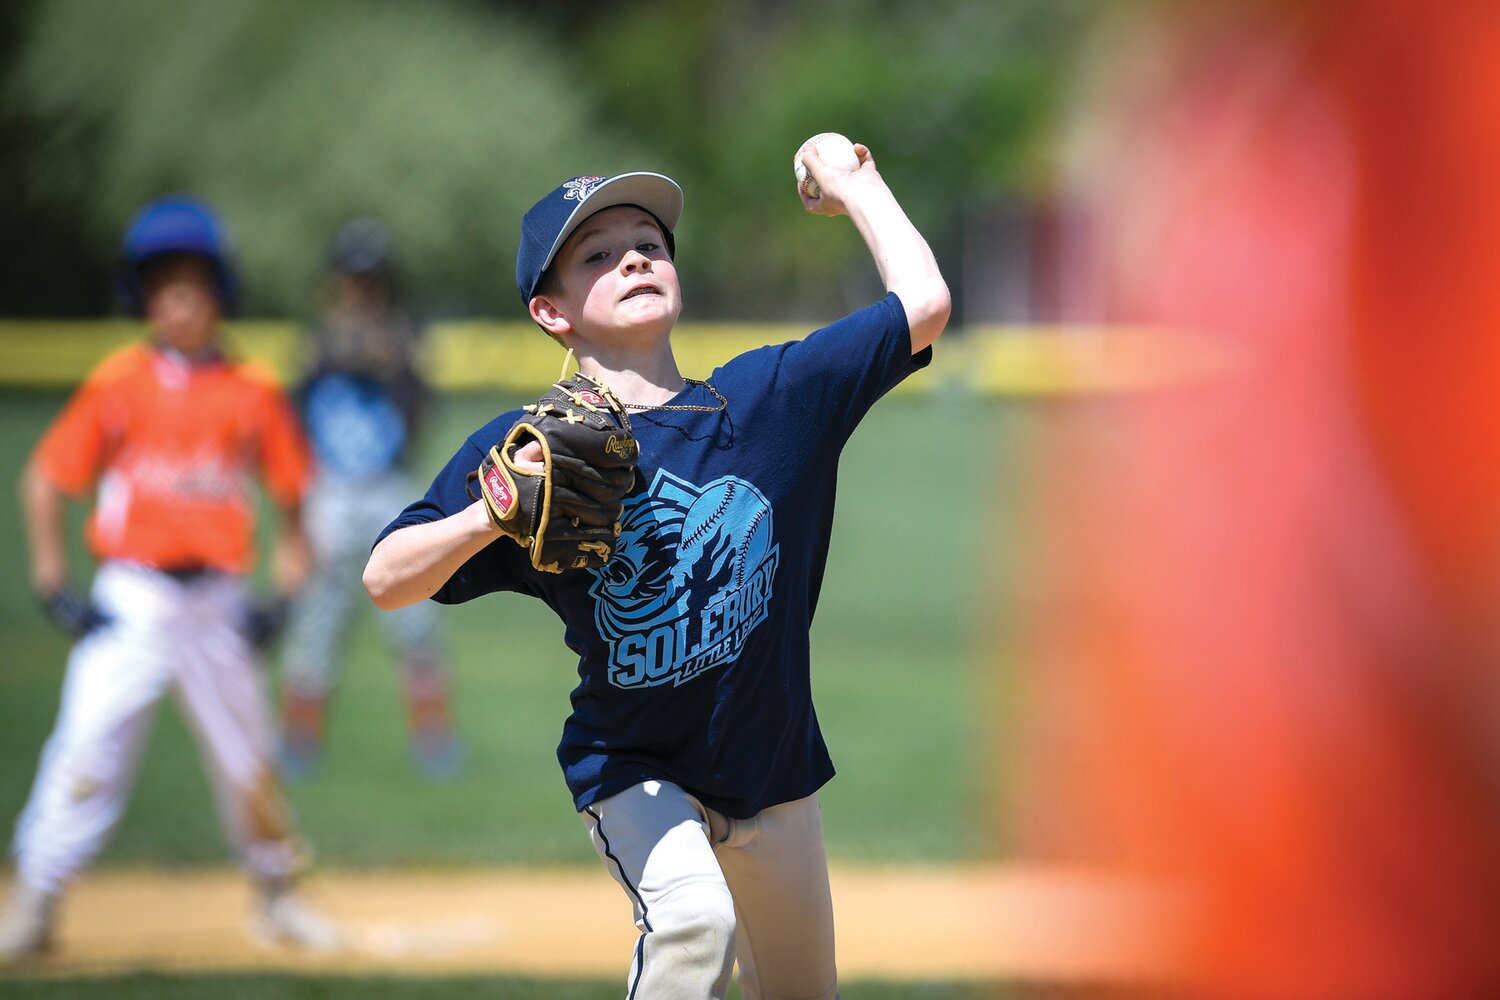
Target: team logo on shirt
{"type": "Point", "coordinates": [690, 579]}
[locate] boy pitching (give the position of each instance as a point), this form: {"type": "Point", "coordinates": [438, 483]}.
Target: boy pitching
{"type": "Point", "coordinates": [692, 752]}
{"type": "Point", "coordinates": [168, 434]}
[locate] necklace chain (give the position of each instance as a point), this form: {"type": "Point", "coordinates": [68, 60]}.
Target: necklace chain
{"type": "Point", "coordinates": [685, 406]}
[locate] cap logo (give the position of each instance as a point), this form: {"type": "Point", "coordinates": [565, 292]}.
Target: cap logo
{"type": "Point", "coordinates": [580, 188]}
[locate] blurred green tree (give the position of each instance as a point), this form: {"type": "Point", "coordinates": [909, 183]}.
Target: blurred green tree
{"type": "Point", "coordinates": [953, 97]}
{"type": "Point", "coordinates": [441, 118]}
{"type": "Point", "coordinates": [449, 118]}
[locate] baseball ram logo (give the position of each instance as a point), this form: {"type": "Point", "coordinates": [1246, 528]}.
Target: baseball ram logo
{"type": "Point", "coordinates": [690, 579]}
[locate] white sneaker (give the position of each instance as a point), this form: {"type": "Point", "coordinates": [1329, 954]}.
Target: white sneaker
{"type": "Point", "coordinates": [285, 919]}
{"type": "Point", "coordinates": [26, 925]}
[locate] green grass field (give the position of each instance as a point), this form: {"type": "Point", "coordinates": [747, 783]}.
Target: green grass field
{"type": "Point", "coordinates": [897, 661]}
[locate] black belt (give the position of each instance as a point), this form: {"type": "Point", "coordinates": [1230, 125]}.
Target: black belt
{"type": "Point", "coordinates": [188, 574]}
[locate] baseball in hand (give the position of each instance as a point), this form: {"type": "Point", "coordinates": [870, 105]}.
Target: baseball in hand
{"type": "Point", "coordinates": [836, 151]}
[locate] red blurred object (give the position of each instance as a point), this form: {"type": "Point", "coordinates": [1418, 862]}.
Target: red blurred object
{"type": "Point", "coordinates": [1269, 621]}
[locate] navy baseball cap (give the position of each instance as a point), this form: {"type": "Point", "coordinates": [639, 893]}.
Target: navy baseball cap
{"type": "Point", "coordinates": [552, 220]}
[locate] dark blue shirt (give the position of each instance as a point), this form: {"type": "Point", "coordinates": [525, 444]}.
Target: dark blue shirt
{"type": "Point", "coordinates": [356, 426]}
{"type": "Point", "coordinates": [693, 640]}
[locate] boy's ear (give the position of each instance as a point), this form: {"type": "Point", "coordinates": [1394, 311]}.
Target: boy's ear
{"type": "Point", "coordinates": [547, 313]}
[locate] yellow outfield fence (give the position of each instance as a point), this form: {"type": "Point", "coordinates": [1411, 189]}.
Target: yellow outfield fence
{"type": "Point", "coordinates": [477, 355]}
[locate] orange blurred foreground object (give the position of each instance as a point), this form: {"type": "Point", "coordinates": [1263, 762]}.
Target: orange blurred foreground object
{"type": "Point", "coordinates": [1267, 606]}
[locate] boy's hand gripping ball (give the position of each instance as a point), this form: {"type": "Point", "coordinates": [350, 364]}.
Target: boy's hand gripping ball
{"type": "Point", "coordinates": [836, 151]}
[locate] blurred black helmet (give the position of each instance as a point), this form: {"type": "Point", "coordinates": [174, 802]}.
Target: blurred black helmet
{"type": "Point", "coordinates": [361, 246]}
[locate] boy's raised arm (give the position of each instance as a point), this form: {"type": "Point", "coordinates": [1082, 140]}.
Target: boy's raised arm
{"type": "Point", "coordinates": [905, 262]}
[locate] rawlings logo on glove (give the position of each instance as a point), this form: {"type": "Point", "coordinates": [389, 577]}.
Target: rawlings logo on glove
{"type": "Point", "coordinates": [566, 515]}
{"type": "Point", "coordinates": [499, 491]}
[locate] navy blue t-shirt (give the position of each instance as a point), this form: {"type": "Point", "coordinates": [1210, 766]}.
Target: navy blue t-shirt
{"type": "Point", "coordinates": [693, 640]}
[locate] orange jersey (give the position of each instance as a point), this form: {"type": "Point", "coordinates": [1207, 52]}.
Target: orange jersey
{"type": "Point", "coordinates": [173, 449]}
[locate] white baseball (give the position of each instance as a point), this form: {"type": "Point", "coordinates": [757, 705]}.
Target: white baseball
{"type": "Point", "coordinates": [836, 151]}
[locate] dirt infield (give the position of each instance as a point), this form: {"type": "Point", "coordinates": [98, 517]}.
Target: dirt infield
{"type": "Point", "coordinates": [926, 923]}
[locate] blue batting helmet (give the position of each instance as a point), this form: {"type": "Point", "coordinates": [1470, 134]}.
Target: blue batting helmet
{"type": "Point", "coordinates": [175, 225]}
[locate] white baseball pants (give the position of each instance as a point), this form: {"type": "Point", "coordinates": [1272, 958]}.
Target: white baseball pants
{"type": "Point", "coordinates": [707, 890]}
{"type": "Point", "coordinates": [343, 518]}
{"type": "Point", "coordinates": [165, 634]}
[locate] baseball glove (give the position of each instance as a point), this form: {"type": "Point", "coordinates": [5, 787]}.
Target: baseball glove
{"type": "Point", "coordinates": [566, 515]}
{"type": "Point", "coordinates": [265, 620]}
{"type": "Point", "coordinates": [73, 612]}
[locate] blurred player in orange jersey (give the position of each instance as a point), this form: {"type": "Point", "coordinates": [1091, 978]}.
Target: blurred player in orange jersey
{"type": "Point", "coordinates": [1269, 649]}
{"type": "Point", "coordinates": [171, 434]}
